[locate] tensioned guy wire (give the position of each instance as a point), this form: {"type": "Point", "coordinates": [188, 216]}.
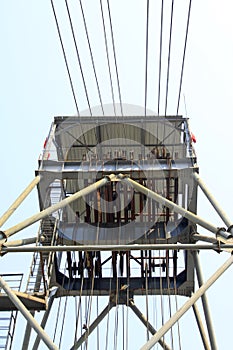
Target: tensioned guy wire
{"type": "Point", "coordinates": [115, 59]}
{"type": "Point", "coordinates": [78, 56]}
{"type": "Point", "coordinates": [160, 56]}
{"type": "Point", "coordinates": [91, 55]}
{"type": "Point", "coordinates": [146, 67]}
{"type": "Point", "coordinates": [169, 56]}
{"type": "Point", "coordinates": [185, 45]}
{"type": "Point", "coordinates": [108, 58]}
{"type": "Point", "coordinates": [65, 58]}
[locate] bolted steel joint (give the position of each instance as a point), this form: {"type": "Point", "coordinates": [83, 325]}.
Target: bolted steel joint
{"type": "Point", "coordinates": [2, 235]}
{"type": "Point", "coordinates": [230, 230]}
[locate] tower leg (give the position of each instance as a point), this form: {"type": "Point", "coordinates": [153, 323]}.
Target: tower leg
{"type": "Point", "coordinates": [20, 306]}
{"type": "Point", "coordinates": [201, 328]}
{"type": "Point", "coordinates": [43, 322]}
{"type": "Point", "coordinates": [27, 334]}
{"type": "Point", "coordinates": [205, 302]}
{"type": "Point", "coordinates": [213, 201]}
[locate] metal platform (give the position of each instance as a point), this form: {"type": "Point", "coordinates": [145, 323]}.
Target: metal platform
{"type": "Point", "coordinates": [32, 303]}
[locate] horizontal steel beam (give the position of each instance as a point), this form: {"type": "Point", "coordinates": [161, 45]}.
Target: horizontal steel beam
{"type": "Point", "coordinates": [22, 242]}
{"type": "Point", "coordinates": [120, 247]}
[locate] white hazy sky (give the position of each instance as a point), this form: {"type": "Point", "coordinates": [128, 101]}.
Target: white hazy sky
{"type": "Point", "coordinates": [34, 87]}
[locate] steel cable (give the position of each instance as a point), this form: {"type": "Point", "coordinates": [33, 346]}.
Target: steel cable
{"type": "Point", "coordinates": [92, 289]}
{"type": "Point", "coordinates": [108, 58]}
{"type": "Point", "coordinates": [169, 295]}
{"type": "Point", "coordinates": [65, 58]}
{"type": "Point", "coordinates": [169, 56]}
{"type": "Point", "coordinates": [59, 305]}
{"type": "Point", "coordinates": [115, 59]}
{"type": "Point", "coordinates": [147, 41]}
{"type": "Point", "coordinates": [109, 307]}
{"type": "Point", "coordinates": [176, 300]}
{"type": "Point", "coordinates": [63, 321]}
{"type": "Point", "coordinates": [160, 56]}
{"type": "Point", "coordinates": [91, 55]}
{"type": "Point", "coordinates": [78, 56]}
{"type": "Point", "coordinates": [79, 314]}
{"type": "Point", "coordinates": [185, 46]}
{"type": "Point", "coordinates": [57, 317]}
{"type": "Point", "coordinates": [97, 314]}
{"type": "Point", "coordinates": [161, 290]}
{"type": "Point", "coordinates": [147, 304]}
{"type": "Point", "coordinates": [123, 328]}
{"type": "Point", "coordinates": [66, 64]}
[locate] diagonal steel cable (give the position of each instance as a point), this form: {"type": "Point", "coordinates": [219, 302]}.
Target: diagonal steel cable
{"type": "Point", "coordinates": [146, 67]}
{"type": "Point", "coordinates": [160, 56]}
{"type": "Point", "coordinates": [185, 46]}
{"type": "Point", "coordinates": [91, 55]}
{"type": "Point", "coordinates": [169, 56]}
{"type": "Point", "coordinates": [65, 58]}
{"type": "Point", "coordinates": [108, 58]}
{"type": "Point", "coordinates": [78, 56]}
{"type": "Point", "coordinates": [115, 59]}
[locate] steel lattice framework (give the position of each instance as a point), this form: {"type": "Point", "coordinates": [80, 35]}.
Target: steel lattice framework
{"type": "Point", "coordinates": [117, 218]}
{"type": "Point", "coordinates": [117, 189]}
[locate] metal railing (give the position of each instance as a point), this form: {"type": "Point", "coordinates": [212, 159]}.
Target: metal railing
{"type": "Point", "coordinates": [8, 318]}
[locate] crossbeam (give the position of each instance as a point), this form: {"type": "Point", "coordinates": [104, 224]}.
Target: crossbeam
{"type": "Point", "coordinates": [121, 247]}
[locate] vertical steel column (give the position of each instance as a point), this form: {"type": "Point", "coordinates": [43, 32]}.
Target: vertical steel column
{"type": "Point", "coordinates": [160, 333]}
{"type": "Point", "coordinates": [20, 306]}
{"type": "Point", "coordinates": [201, 328]}
{"type": "Point", "coordinates": [43, 322]}
{"type": "Point", "coordinates": [205, 303]}
{"type": "Point", "coordinates": [27, 334]}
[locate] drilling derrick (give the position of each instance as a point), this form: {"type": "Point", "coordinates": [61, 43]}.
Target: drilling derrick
{"type": "Point", "coordinates": [123, 158]}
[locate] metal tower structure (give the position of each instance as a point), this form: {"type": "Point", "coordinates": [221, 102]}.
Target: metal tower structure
{"type": "Point", "coordinates": [117, 219]}
{"type": "Point", "coordinates": [117, 192]}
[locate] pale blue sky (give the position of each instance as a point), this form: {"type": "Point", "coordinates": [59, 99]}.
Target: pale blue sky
{"type": "Point", "coordinates": [34, 87]}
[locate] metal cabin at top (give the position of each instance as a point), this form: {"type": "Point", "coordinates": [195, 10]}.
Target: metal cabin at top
{"type": "Point", "coordinates": [156, 153]}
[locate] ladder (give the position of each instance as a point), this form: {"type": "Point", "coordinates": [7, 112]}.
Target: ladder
{"type": "Point", "coordinates": [37, 279]}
